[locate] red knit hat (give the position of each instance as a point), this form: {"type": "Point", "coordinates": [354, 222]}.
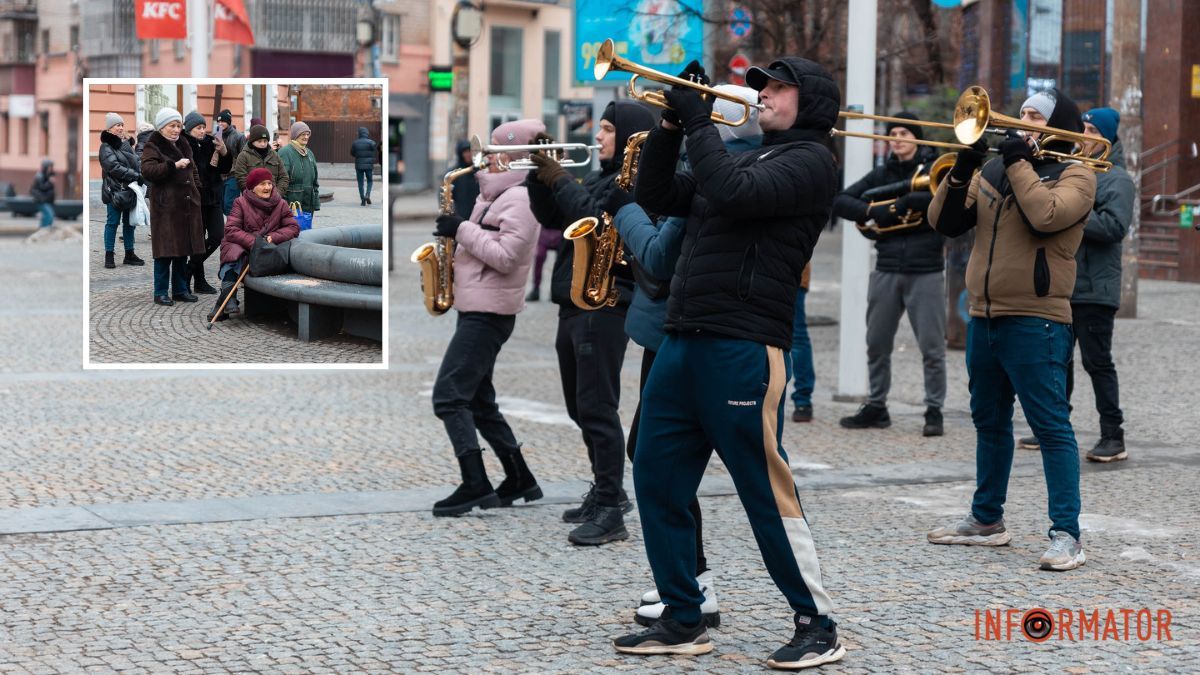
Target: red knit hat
{"type": "Point", "coordinates": [257, 176]}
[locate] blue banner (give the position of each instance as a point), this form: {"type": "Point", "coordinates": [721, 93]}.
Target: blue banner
{"type": "Point", "coordinates": [660, 34]}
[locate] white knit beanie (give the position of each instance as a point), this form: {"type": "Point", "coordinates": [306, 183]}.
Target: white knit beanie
{"type": "Point", "coordinates": [733, 112]}
{"type": "Point", "coordinates": [165, 117]}
{"type": "Point", "coordinates": [111, 120]}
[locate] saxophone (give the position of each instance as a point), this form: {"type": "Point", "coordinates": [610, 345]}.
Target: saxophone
{"type": "Point", "coordinates": [436, 258]}
{"type": "Point", "coordinates": [596, 253]}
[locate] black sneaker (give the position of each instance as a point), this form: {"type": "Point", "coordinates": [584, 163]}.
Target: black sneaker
{"type": "Point", "coordinates": [667, 636]}
{"type": "Point", "coordinates": [868, 416]}
{"type": "Point", "coordinates": [132, 259]}
{"type": "Point", "coordinates": [1029, 443]}
{"type": "Point", "coordinates": [583, 512]}
{"type": "Point", "coordinates": [1108, 450]}
{"type": "Point", "coordinates": [810, 646]}
{"type": "Point", "coordinates": [802, 413]}
{"type": "Point", "coordinates": [933, 422]}
{"type": "Point", "coordinates": [607, 524]}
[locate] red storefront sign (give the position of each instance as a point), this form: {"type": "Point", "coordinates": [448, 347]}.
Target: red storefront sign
{"type": "Point", "coordinates": [231, 22]}
{"type": "Point", "coordinates": [161, 19]}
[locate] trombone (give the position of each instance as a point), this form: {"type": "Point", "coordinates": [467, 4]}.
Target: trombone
{"type": "Point", "coordinates": [974, 117]}
{"type": "Point", "coordinates": [608, 61]}
{"type": "Point", "coordinates": [560, 152]}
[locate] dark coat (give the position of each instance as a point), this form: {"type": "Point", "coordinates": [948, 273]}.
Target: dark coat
{"type": "Point", "coordinates": [235, 142]}
{"type": "Point", "coordinates": [176, 225]}
{"type": "Point", "coordinates": [42, 189]}
{"type": "Point", "coordinates": [568, 201]}
{"type": "Point", "coordinates": [1098, 260]}
{"type": "Point", "coordinates": [249, 159]}
{"type": "Point", "coordinates": [909, 251]}
{"type": "Point", "coordinates": [363, 149]}
{"type": "Point", "coordinates": [119, 164]}
{"type": "Point", "coordinates": [755, 216]}
{"type": "Point", "coordinates": [212, 187]}
{"type": "Point", "coordinates": [252, 216]}
{"type": "Point", "coordinates": [465, 187]}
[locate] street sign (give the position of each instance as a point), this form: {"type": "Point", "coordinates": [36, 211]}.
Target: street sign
{"type": "Point", "coordinates": [740, 22]}
{"type": "Point", "coordinates": [738, 66]}
{"type": "Point", "coordinates": [659, 34]}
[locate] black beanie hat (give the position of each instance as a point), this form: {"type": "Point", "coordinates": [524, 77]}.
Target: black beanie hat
{"type": "Point", "coordinates": [914, 128]}
{"type": "Point", "coordinates": [225, 116]}
{"type": "Point", "coordinates": [256, 132]}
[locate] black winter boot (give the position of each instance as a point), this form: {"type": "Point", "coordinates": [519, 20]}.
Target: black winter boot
{"type": "Point", "coordinates": [109, 262]}
{"type": "Point", "coordinates": [606, 524]}
{"type": "Point", "coordinates": [868, 416]}
{"type": "Point", "coordinates": [132, 259]}
{"type": "Point", "coordinates": [518, 482]}
{"type": "Point", "coordinates": [474, 491]}
{"type": "Point", "coordinates": [933, 422]}
{"type": "Point", "coordinates": [231, 307]}
{"type": "Point", "coordinates": [199, 284]}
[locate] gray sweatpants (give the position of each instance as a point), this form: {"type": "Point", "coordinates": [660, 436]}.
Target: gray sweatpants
{"type": "Point", "coordinates": [924, 297]}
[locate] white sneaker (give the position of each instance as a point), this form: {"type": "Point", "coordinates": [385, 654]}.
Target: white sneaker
{"type": "Point", "coordinates": [1065, 553]}
{"type": "Point", "coordinates": [650, 612]}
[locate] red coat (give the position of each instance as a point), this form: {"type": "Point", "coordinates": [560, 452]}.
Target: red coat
{"type": "Point", "coordinates": [251, 216]}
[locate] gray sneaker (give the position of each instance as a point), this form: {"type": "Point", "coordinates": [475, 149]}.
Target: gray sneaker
{"type": "Point", "coordinates": [971, 532]}
{"type": "Point", "coordinates": [1065, 553]}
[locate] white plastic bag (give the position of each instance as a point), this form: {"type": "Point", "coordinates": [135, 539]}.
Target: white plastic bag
{"type": "Point", "coordinates": [140, 215]}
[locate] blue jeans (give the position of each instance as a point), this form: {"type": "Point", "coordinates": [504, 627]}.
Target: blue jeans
{"type": "Point", "coordinates": [231, 193]}
{"type": "Point", "coordinates": [47, 210]}
{"type": "Point", "coordinates": [172, 272]}
{"type": "Point", "coordinates": [802, 355]}
{"type": "Point", "coordinates": [368, 174]}
{"type": "Point", "coordinates": [110, 229]}
{"type": "Point", "coordinates": [1025, 357]}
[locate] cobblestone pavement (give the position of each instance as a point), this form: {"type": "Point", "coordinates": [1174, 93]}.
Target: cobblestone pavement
{"type": "Point", "coordinates": [127, 327]}
{"type": "Point", "coordinates": [503, 591]}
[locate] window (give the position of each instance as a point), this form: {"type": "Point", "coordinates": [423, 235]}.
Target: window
{"type": "Point", "coordinates": [179, 50]}
{"type": "Point", "coordinates": [45, 41]}
{"type": "Point", "coordinates": [152, 50]}
{"type": "Point", "coordinates": [74, 46]}
{"type": "Point", "coordinates": [4, 133]}
{"type": "Point", "coordinates": [552, 43]}
{"type": "Point", "coordinates": [390, 37]}
{"type": "Point", "coordinates": [44, 120]}
{"type": "Point", "coordinates": [505, 85]}
{"type": "Point", "coordinates": [24, 135]}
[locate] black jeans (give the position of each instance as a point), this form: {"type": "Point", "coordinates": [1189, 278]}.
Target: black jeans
{"type": "Point", "coordinates": [631, 448]}
{"type": "Point", "coordinates": [1093, 330]}
{"type": "Point", "coordinates": [464, 398]}
{"type": "Point", "coordinates": [591, 348]}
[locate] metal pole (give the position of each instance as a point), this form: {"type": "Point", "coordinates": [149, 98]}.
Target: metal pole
{"type": "Point", "coordinates": [198, 38]}
{"type": "Point", "coordinates": [856, 249]}
{"type": "Point", "coordinates": [1126, 87]}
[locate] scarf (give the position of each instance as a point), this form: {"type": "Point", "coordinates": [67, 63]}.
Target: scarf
{"type": "Point", "coordinates": [303, 150]}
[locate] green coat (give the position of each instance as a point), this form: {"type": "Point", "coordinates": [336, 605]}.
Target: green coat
{"type": "Point", "coordinates": [302, 169]}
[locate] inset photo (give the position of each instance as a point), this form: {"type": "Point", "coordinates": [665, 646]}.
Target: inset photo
{"type": "Point", "coordinates": [235, 223]}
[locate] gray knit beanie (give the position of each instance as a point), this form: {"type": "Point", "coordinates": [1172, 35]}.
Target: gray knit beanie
{"type": "Point", "coordinates": [111, 120]}
{"type": "Point", "coordinates": [193, 120]}
{"type": "Point", "coordinates": [165, 117]}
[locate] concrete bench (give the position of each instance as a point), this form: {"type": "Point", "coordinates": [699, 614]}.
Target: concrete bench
{"type": "Point", "coordinates": [335, 284]}
{"type": "Point", "coordinates": [22, 205]}
{"type": "Point", "coordinates": [69, 209]}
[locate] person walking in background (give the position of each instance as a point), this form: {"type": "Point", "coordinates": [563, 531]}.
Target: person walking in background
{"type": "Point", "coordinates": [364, 150]}
{"type": "Point", "coordinates": [300, 163]}
{"type": "Point", "coordinates": [212, 160]}
{"type": "Point", "coordinates": [491, 263]}
{"type": "Point", "coordinates": [42, 191]}
{"type": "Point", "coordinates": [548, 240]}
{"type": "Point", "coordinates": [258, 211]}
{"type": "Point", "coordinates": [176, 223]}
{"type": "Point", "coordinates": [120, 167]}
{"type": "Point", "coordinates": [1029, 212]}
{"type": "Point", "coordinates": [1097, 295]}
{"type": "Point", "coordinates": [466, 187]}
{"type": "Point", "coordinates": [258, 154]}
{"type": "Point", "coordinates": [234, 141]}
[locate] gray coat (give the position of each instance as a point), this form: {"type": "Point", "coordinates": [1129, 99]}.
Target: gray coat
{"type": "Point", "coordinates": [1098, 260]}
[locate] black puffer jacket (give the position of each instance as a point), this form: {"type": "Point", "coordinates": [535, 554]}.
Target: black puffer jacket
{"type": "Point", "coordinates": [119, 164]}
{"type": "Point", "coordinates": [569, 201]}
{"type": "Point", "coordinates": [756, 216]}
{"type": "Point", "coordinates": [235, 142]}
{"type": "Point", "coordinates": [910, 251]}
{"type": "Point", "coordinates": [363, 149]}
{"type": "Point", "coordinates": [212, 186]}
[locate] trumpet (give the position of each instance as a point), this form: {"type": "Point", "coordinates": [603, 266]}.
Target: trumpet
{"type": "Point", "coordinates": [608, 61]}
{"type": "Point", "coordinates": [560, 152]}
{"type": "Point", "coordinates": [974, 117]}
{"type": "Point", "coordinates": [920, 180]}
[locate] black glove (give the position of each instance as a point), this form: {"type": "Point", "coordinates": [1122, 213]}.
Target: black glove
{"type": "Point", "coordinates": [914, 201]}
{"type": "Point", "coordinates": [686, 102]}
{"type": "Point", "coordinates": [616, 199]}
{"type": "Point", "coordinates": [882, 215]}
{"type": "Point", "coordinates": [868, 232]}
{"type": "Point", "coordinates": [548, 171]}
{"type": "Point", "coordinates": [967, 161]}
{"type": "Point", "coordinates": [447, 226]}
{"type": "Point", "coordinates": [1014, 149]}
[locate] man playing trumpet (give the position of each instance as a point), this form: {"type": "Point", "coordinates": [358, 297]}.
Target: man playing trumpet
{"type": "Point", "coordinates": [908, 277]}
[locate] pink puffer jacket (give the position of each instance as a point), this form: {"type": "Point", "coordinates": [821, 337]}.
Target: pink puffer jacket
{"type": "Point", "coordinates": [495, 247]}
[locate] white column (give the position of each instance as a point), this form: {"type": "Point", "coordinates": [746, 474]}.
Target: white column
{"type": "Point", "coordinates": [139, 99]}
{"type": "Point", "coordinates": [191, 99]}
{"type": "Point", "coordinates": [856, 249]}
{"type": "Point", "coordinates": [271, 110]}
{"type": "Point", "coordinates": [243, 124]}
{"type": "Point", "coordinates": [198, 37]}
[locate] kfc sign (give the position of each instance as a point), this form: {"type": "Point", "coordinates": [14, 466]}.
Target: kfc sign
{"type": "Point", "coordinates": [231, 22]}
{"type": "Point", "coordinates": [162, 19]}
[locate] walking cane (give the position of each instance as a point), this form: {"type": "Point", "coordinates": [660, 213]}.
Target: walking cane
{"type": "Point", "coordinates": [237, 283]}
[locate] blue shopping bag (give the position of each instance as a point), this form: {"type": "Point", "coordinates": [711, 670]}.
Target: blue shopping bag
{"type": "Point", "coordinates": [305, 219]}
